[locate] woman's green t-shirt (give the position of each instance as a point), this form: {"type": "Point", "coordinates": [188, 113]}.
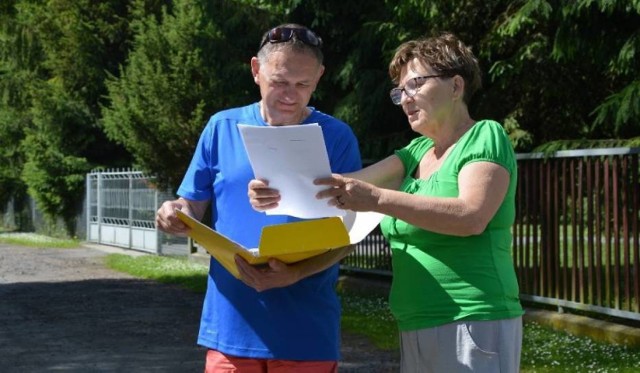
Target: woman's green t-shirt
{"type": "Point", "coordinates": [439, 278]}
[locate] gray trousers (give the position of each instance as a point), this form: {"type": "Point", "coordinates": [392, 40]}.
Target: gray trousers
{"type": "Point", "coordinates": [464, 346]}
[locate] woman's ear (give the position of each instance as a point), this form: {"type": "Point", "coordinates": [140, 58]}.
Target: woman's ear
{"type": "Point", "coordinates": [458, 86]}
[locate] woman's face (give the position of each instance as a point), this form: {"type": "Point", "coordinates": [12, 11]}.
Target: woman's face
{"type": "Point", "coordinates": [431, 106]}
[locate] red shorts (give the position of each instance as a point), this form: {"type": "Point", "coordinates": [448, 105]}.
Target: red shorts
{"type": "Point", "coordinates": [218, 362]}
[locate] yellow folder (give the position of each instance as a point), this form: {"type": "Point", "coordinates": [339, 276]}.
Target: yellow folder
{"type": "Point", "coordinates": [289, 242]}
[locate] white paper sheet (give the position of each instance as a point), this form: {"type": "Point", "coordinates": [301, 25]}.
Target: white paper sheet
{"type": "Point", "coordinates": [290, 158]}
{"type": "Point", "coordinates": [359, 224]}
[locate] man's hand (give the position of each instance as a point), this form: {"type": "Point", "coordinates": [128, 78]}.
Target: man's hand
{"type": "Point", "coordinates": [167, 219]}
{"type": "Point", "coordinates": [275, 274]}
{"type": "Point", "coordinates": [262, 197]}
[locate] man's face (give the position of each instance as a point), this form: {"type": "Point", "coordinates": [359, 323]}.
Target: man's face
{"type": "Point", "coordinates": [286, 80]}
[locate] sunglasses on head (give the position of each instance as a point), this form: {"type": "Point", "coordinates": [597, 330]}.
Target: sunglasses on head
{"type": "Point", "coordinates": [284, 34]}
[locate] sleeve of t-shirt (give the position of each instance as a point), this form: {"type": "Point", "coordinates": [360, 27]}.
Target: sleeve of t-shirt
{"type": "Point", "coordinates": [344, 152]}
{"type": "Point", "coordinates": [198, 180]}
{"type": "Point", "coordinates": [411, 154]}
{"type": "Point", "coordinates": [489, 143]}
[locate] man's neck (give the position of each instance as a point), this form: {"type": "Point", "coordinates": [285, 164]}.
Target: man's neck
{"type": "Point", "coordinates": [298, 120]}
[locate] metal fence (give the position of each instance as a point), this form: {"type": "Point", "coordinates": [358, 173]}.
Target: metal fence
{"type": "Point", "coordinates": [576, 235]}
{"type": "Point", "coordinates": [577, 228]}
{"type": "Point", "coordinates": [371, 256]}
{"type": "Point", "coordinates": [120, 207]}
{"type": "Point", "coordinates": [23, 214]}
{"type": "Point", "coordinates": [120, 211]}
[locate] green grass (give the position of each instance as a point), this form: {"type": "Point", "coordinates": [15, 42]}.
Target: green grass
{"type": "Point", "coordinates": [168, 270]}
{"type": "Point", "coordinates": [544, 350]}
{"type": "Point", "coordinates": [369, 316]}
{"type": "Point", "coordinates": [37, 240]}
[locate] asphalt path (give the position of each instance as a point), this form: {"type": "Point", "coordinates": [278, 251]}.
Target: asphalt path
{"type": "Point", "coordinates": [62, 310]}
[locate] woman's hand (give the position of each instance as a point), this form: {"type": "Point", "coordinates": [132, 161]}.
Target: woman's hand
{"type": "Point", "coordinates": [349, 194]}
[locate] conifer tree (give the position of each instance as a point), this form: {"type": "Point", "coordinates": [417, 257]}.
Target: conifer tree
{"type": "Point", "coordinates": [185, 65]}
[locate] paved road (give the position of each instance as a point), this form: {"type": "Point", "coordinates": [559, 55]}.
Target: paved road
{"type": "Point", "coordinates": [61, 310]}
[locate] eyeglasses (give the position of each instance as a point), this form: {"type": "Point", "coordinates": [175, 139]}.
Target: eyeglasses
{"type": "Point", "coordinates": [284, 34]}
{"type": "Point", "coordinates": [410, 88]}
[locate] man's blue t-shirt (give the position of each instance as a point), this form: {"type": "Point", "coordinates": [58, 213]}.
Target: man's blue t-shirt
{"type": "Point", "coordinates": [298, 322]}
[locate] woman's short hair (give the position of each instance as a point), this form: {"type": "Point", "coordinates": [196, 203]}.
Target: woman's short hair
{"type": "Point", "coordinates": [445, 54]}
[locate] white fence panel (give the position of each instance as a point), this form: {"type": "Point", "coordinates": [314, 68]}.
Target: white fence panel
{"type": "Point", "coordinates": [121, 207]}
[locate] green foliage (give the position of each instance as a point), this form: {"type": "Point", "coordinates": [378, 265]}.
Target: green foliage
{"type": "Point", "coordinates": [520, 138]}
{"type": "Point", "coordinates": [10, 156]}
{"type": "Point", "coordinates": [621, 109]}
{"type": "Point", "coordinates": [55, 177]}
{"type": "Point", "coordinates": [53, 65]}
{"type": "Point", "coordinates": [190, 62]}
{"type": "Point", "coordinates": [81, 42]}
{"type": "Point", "coordinates": [569, 69]}
{"type": "Point", "coordinates": [135, 81]}
{"type": "Point", "coordinates": [15, 51]}
{"type": "Point", "coordinates": [367, 43]}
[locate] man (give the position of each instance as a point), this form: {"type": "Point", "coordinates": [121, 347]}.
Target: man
{"type": "Point", "coordinates": [283, 317]}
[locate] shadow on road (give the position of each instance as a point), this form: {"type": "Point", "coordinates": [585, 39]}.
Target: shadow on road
{"type": "Point", "coordinates": [64, 311]}
{"type": "Point", "coordinates": [104, 325]}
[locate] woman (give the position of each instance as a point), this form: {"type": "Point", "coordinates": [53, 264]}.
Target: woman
{"type": "Point", "coordinates": [449, 197]}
